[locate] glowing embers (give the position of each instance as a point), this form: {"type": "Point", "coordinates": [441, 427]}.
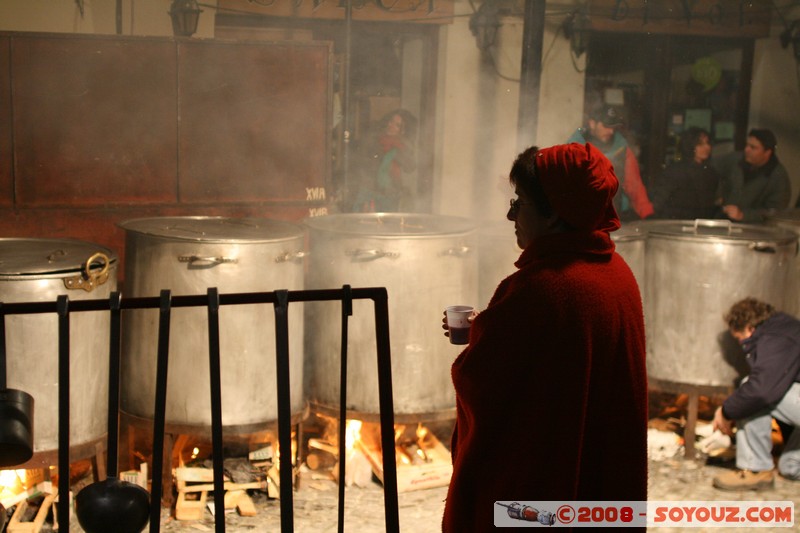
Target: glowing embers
{"type": "Point", "coordinates": [30, 497]}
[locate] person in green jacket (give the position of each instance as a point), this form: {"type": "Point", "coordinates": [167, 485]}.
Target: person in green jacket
{"type": "Point", "coordinates": [754, 183]}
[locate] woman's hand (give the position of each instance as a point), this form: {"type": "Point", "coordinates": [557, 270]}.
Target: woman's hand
{"type": "Point", "coordinates": [470, 318]}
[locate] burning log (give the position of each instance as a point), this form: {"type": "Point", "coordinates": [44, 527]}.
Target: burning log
{"type": "Point", "coordinates": [320, 460]}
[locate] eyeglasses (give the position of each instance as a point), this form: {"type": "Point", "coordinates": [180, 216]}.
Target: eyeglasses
{"type": "Point", "coordinates": [514, 205]}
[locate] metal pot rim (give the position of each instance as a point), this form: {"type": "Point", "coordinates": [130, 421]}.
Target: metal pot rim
{"type": "Point", "coordinates": [214, 229]}
{"type": "Point", "coordinates": [392, 225]}
{"type": "Point", "coordinates": [26, 258]}
{"type": "Point", "coordinates": [718, 231]}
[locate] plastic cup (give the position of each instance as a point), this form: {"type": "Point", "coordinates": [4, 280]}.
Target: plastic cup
{"type": "Point", "coordinates": [458, 323]}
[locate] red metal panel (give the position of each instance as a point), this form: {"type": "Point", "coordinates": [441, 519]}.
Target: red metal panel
{"type": "Point", "coordinates": [94, 120]}
{"type": "Point", "coordinates": [254, 121]}
{"type": "Point", "coordinates": [6, 176]}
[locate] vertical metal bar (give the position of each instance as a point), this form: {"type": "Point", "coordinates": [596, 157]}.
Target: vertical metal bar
{"type": "Point", "coordinates": [691, 423]}
{"type": "Point", "coordinates": [216, 408]}
{"type": "Point", "coordinates": [119, 17]}
{"type": "Point", "coordinates": [284, 408]}
{"type": "Point", "coordinates": [346, 119]}
{"type": "Point", "coordinates": [160, 414]}
{"type": "Point", "coordinates": [114, 303]}
{"type": "Point", "coordinates": [62, 307]}
{"type": "Point", "coordinates": [386, 413]}
{"type": "Point", "coordinates": [3, 370]}
{"type": "Point", "coordinates": [531, 73]}
{"type": "Point", "coordinates": [347, 310]}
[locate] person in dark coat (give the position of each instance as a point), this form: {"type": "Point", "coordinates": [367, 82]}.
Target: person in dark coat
{"type": "Point", "coordinates": [688, 188]}
{"type": "Point", "coordinates": [771, 342]}
{"type": "Point", "coordinates": [754, 183]}
{"type": "Point", "coordinates": [551, 391]}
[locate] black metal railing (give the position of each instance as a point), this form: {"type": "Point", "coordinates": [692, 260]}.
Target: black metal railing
{"type": "Point", "coordinates": [212, 301]}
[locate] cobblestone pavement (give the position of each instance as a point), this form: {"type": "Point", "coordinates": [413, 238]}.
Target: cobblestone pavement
{"type": "Point", "coordinates": [316, 511]}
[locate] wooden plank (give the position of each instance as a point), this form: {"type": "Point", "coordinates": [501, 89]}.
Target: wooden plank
{"type": "Point", "coordinates": [34, 526]}
{"type": "Point", "coordinates": [429, 11]}
{"type": "Point", "coordinates": [189, 474]}
{"type": "Point", "coordinates": [436, 472]}
{"type": "Point", "coordinates": [232, 498]}
{"type": "Point", "coordinates": [227, 486]}
{"type": "Point", "coordinates": [188, 508]}
{"type": "Point", "coordinates": [245, 506]}
{"type": "Point", "coordinates": [677, 17]}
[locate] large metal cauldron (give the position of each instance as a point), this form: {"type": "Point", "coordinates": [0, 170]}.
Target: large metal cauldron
{"type": "Point", "coordinates": [630, 241]}
{"type": "Point", "coordinates": [496, 257]}
{"type": "Point", "coordinates": [695, 271]}
{"type": "Point", "coordinates": [426, 262]}
{"type": "Point", "coordinates": [790, 219]}
{"type": "Point", "coordinates": [41, 270]}
{"type": "Point", "coordinates": [187, 255]}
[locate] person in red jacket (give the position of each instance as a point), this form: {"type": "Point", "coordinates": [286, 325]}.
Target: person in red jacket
{"type": "Point", "coordinates": [551, 391]}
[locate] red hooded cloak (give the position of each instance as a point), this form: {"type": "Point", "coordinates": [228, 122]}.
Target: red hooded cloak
{"type": "Point", "coordinates": [551, 391]}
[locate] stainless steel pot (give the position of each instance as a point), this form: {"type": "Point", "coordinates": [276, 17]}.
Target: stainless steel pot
{"type": "Point", "coordinates": [426, 262]}
{"type": "Point", "coordinates": [39, 270]}
{"type": "Point", "coordinates": [630, 242]}
{"type": "Point", "coordinates": [497, 254]}
{"type": "Point", "coordinates": [187, 255]}
{"type": "Point", "coordinates": [695, 270]}
{"type": "Point", "coordinates": [790, 220]}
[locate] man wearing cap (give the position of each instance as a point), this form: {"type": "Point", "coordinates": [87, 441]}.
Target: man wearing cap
{"type": "Point", "coordinates": [602, 131]}
{"type": "Point", "coordinates": [551, 391]}
{"type": "Point", "coordinates": [754, 183]}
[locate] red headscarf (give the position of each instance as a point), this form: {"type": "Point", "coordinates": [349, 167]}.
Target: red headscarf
{"type": "Point", "coordinates": [580, 183]}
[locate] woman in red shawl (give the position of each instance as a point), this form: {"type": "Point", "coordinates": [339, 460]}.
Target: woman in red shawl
{"type": "Point", "coordinates": [551, 391]}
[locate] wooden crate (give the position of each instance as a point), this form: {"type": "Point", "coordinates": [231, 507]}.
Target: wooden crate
{"type": "Point", "coordinates": [15, 526]}
{"type": "Point", "coordinates": [435, 472]}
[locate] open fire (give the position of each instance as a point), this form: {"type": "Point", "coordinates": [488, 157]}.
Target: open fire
{"type": "Point", "coordinates": [30, 497]}
{"type": "Point", "coordinates": [422, 461]}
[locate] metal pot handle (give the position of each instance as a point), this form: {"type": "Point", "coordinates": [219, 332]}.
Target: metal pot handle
{"type": "Point", "coordinates": [459, 251]}
{"type": "Point", "coordinates": [208, 261]}
{"type": "Point", "coordinates": [764, 247]}
{"type": "Point", "coordinates": [290, 256]}
{"type": "Point", "coordinates": [88, 280]}
{"type": "Point", "coordinates": [370, 255]}
{"type": "Point", "coordinates": [713, 223]}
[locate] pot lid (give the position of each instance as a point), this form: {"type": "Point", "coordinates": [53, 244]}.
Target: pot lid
{"type": "Point", "coordinates": [789, 216]}
{"type": "Point", "coordinates": [718, 230]}
{"type": "Point", "coordinates": [392, 224]}
{"type": "Point", "coordinates": [214, 229]}
{"type": "Point", "coordinates": [20, 256]}
{"type": "Point", "coordinates": [629, 231]}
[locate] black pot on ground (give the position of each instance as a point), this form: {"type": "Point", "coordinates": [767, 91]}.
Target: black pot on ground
{"type": "Point", "coordinates": [112, 506]}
